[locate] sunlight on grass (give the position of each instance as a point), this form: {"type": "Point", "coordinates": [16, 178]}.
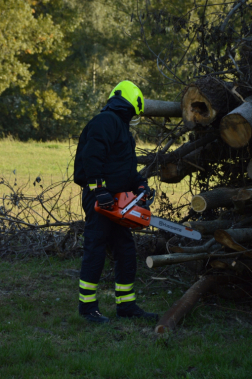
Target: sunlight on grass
{"type": "Point", "coordinates": [22, 162]}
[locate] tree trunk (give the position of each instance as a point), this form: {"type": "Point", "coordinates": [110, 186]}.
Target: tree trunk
{"type": "Point", "coordinates": [175, 172]}
{"type": "Point", "coordinates": [159, 108]}
{"type": "Point", "coordinates": [235, 127]}
{"type": "Point", "coordinates": [184, 305]}
{"type": "Point", "coordinates": [208, 227]}
{"type": "Point", "coordinates": [218, 197]}
{"type": "Point", "coordinates": [206, 99]}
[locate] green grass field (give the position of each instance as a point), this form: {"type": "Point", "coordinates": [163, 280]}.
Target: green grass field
{"type": "Point", "coordinates": [42, 336]}
{"type": "Point", "coordinates": [21, 163]}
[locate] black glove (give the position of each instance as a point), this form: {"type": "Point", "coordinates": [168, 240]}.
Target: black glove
{"type": "Point", "coordinates": [105, 199]}
{"type": "Point", "coordinates": [143, 186]}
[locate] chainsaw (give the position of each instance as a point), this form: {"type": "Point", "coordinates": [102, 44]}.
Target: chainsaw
{"type": "Point", "coordinates": [133, 212]}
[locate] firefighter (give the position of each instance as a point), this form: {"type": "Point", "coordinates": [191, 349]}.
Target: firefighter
{"type": "Point", "coordinates": [106, 164]}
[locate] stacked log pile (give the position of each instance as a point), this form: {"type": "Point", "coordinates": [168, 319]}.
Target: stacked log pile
{"type": "Point", "coordinates": [218, 117]}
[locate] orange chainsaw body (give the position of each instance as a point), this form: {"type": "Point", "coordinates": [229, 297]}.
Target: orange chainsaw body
{"type": "Point", "coordinates": [135, 218]}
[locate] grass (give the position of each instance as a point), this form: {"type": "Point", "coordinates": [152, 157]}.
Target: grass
{"type": "Point", "coordinates": [22, 162]}
{"type": "Point", "coordinates": [42, 335]}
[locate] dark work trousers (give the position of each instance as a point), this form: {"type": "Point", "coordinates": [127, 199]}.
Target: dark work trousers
{"type": "Point", "coordinates": [99, 233]}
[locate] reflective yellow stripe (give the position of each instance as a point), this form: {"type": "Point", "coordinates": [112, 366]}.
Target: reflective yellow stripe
{"type": "Point", "coordinates": [92, 186]}
{"type": "Point", "coordinates": [88, 286]}
{"type": "Point", "coordinates": [87, 298]}
{"type": "Point", "coordinates": [123, 299]}
{"type": "Point", "coordinates": [124, 287]}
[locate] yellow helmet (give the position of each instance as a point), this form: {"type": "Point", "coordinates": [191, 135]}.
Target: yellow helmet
{"type": "Point", "coordinates": [131, 94]}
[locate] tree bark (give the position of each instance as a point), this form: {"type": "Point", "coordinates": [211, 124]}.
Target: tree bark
{"type": "Point", "coordinates": [159, 108]}
{"type": "Point", "coordinates": [175, 172]}
{"type": "Point", "coordinates": [171, 259]}
{"type": "Point", "coordinates": [218, 197]}
{"type": "Point", "coordinates": [236, 126]}
{"type": "Point", "coordinates": [206, 99]}
{"type": "Point", "coordinates": [208, 227]}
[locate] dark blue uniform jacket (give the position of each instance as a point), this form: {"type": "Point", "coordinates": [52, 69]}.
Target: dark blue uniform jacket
{"type": "Point", "coordinates": [106, 150]}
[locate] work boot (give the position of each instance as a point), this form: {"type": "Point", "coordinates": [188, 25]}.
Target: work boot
{"type": "Point", "coordinates": [95, 316]}
{"type": "Point", "coordinates": [134, 311]}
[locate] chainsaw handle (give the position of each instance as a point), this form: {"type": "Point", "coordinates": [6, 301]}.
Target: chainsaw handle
{"type": "Point", "coordinates": [147, 201]}
{"type": "Point", "coordinates": [151, 197]}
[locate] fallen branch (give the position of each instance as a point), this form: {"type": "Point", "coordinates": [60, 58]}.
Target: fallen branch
{"type": "Point", "coordinates": [170, 259]}
{"type": "Point", "coordinates": [181, 307]}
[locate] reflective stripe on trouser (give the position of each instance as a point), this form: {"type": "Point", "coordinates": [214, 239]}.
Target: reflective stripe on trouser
{"type": "Point", "coordinates": [124, 287]}
{"type": "Point", "coordinates": [87, 298]}
{"type": "Point", "coordinates": [123, 299]}
{"type": "Point", "coordinates": [88, 286]}
{"type": "Point", "coordinates": [85, 288]}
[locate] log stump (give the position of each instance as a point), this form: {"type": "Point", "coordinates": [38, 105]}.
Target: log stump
{"type": "Point", "coordinates": [206, 99]}
{"type": "Point", "coordinates": [236, 126]}
{"type": "Point", "coordinates": [219, 197]}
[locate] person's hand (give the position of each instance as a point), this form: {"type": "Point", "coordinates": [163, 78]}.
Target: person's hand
{"type": "Point", "coordinates": [105, 199]}
{"type": "Point", "coordinates": [143, 186]}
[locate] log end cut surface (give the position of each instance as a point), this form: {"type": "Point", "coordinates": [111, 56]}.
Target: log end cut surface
{"type": "Point", "coordinates": [161, 329]}
{"type": "Point", "coordinates": [235, 130]}
{"type": "Point", "coordinates": [198, 203]}
{"type": "Point", "coordinates": [149, 262]}
{"type": "Point", "coordinates": [196, 109]}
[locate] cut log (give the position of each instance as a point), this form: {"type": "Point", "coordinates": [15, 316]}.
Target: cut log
{"type": "Point", "coordinates": [170, 259]}
{"type": "Point", "coordinates": [159, 108]}
{"type": "Point", "coordinates": [175, 172]}
{"type": "Point", "coordinates": [208, 227]}
{"type": "Point", "coordinates": [218, 197]}
{"type": "Point", "coordinates": [205, 99]}
{"type": "Point", "coordinates": [184, 305]}
{"type": "Point", "coordinates": [235, 127]}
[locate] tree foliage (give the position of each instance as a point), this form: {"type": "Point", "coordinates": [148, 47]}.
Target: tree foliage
{"type": "Point", "coordinates": [60, 58]}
